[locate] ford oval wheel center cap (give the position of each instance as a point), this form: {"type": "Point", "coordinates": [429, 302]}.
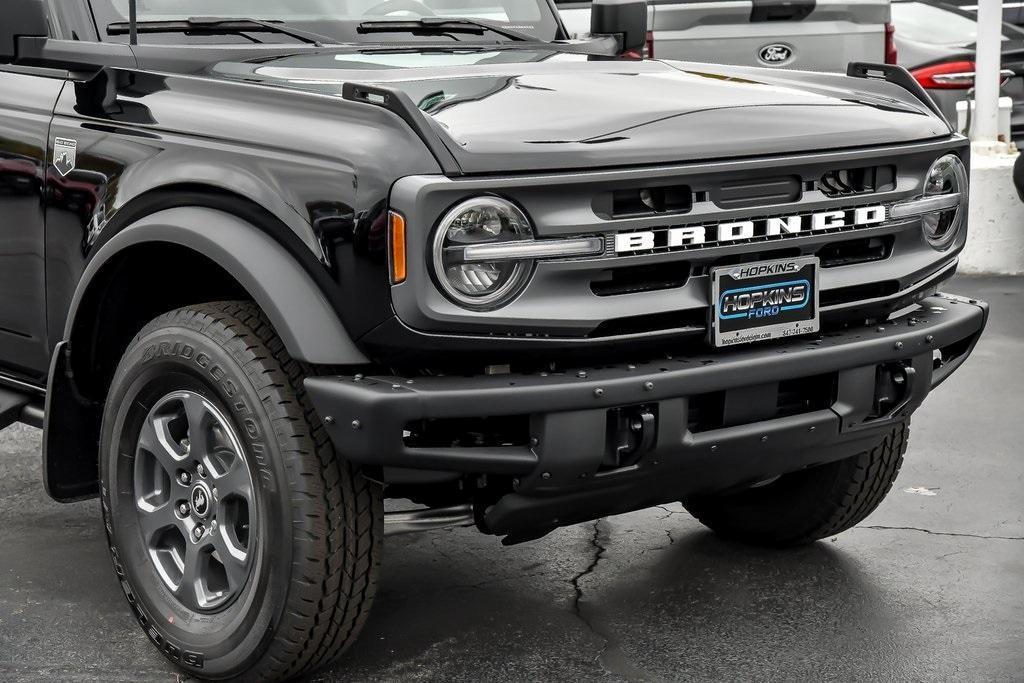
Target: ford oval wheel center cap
{"type": "Point", "coordinates": [200, 498]}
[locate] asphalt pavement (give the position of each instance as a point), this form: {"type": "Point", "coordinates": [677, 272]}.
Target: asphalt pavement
{"type": "Point", "coordinates": [930, 587]}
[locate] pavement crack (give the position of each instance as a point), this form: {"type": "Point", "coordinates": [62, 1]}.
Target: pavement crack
{"type": "Point", "coordinates": [599, 551]}
{"type": "Point", "coordinates": [670, 512]}
{"type": "Point", "coordinates": [611, 659]}
{"type": "Point", "coordinates": [939, 533]}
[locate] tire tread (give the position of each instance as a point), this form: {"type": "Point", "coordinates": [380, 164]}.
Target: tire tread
{"type": "Point", "coordinates": [337, 513]}
{"type": "Point", "coordinates": [806, 506]}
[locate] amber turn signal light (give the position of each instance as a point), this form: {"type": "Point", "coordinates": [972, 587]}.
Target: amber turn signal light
{"type": "Point", "coordinates": [396, 223]}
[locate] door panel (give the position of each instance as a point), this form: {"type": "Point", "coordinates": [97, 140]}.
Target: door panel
{"type": "Point", "coordinates": [26, 109]}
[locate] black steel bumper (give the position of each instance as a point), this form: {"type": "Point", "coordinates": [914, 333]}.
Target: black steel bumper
{"type": "Point", "coordinates": [878, 376]}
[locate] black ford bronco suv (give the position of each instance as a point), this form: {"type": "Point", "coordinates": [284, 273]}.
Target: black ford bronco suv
{"type": "Point", "coordinates": [264, 265]}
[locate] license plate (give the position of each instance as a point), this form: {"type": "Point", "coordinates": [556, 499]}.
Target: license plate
{"type": "Point", "coordinates": [766, 300]}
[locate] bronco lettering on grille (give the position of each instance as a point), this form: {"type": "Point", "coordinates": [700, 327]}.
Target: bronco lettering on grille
{"type": "Point", "coordinates": [777, 226]}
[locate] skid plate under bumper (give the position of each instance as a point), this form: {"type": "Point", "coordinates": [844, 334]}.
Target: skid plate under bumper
{"type": "Point", "coordinates": [615, 438]}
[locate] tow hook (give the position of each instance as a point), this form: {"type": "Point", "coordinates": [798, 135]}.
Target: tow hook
{"type": "Point", "coordinates": [631, 433]}
{"type": "Point", "coordinates": [894, 389]}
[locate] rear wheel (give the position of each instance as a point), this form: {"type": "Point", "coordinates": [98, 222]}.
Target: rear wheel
{"type": "Point", "coordinates": [805, 506]}
{"type": "Point", "coordinates": [246, 547]}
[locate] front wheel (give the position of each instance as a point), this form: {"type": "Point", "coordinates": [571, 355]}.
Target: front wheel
{"type": "Point", "coordinates": [246, 547]}
{"type": "Point", "coordinates": [802, 507]}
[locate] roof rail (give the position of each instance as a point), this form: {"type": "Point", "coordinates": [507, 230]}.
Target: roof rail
{"type": "Point", "coordinates": [400, 104]}
{"type": "Point", "coordinates": [896, 75]}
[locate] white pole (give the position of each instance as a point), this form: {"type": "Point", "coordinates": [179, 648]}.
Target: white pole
{"type": "Point", "coordinates": [986, 71]}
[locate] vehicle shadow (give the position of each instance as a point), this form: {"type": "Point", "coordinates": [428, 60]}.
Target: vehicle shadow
{"type": "Point", "coordinates": [658, 604]}
{"type": "Point", "coordinates": [709, 608]}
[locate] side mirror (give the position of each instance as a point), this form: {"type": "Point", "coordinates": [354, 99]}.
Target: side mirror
{"type": "Point", "coordinates": [18, 19]}
{"type": "Point", "coordinates": [625, 19]}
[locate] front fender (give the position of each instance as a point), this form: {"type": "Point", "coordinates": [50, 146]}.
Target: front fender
{"type": "Point", "coordinates": [295, 305]}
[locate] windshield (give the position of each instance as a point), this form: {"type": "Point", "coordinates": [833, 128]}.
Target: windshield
{"type": "Point", "coordinates": [338, 19]}
{"type": "Point", "coordinates": [924, 23]}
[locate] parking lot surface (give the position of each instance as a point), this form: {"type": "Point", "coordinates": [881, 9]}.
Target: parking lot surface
{"type": "Point", "coordinates": [929, 587]}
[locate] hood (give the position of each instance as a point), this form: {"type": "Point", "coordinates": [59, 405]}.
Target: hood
{"type": "Point", "coordinates": [508, 110]}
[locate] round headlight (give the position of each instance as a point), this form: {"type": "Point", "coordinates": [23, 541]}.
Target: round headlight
{"type": "Point", "coordinates": [467, 278]}
{"type": "Point", "coordinates": [947, 176]}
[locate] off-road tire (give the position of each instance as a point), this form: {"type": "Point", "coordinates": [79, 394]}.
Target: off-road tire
{"type": "Point", "coordinates": [809, 505]}
{"type": "Point", "coordinates": [319, 522]}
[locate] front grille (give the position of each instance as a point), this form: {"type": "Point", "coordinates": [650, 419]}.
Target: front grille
{"type": "Point", "coordinates": [673, 274]}
{"type": "Point", "coordinates": [647, 278]}
{"type": "Point", "coordinates": [660, 236]}
{"type": "Point", "coordinates": [848, 295]}
{"type": "Point", "coordinates": [648, 286]}
{"type": "Point", "coordinates": [743, 194]}
{"type": "Point", "coordinates": [852, 252]}
{"type": "Point", "coordinates": [751, 257]}
{"type": "Point", "coordinates": [636, 202]}
{"type": "Point", "coordinates": [848, 182]}
{"type": "Point", "coordinates": [665, 197]}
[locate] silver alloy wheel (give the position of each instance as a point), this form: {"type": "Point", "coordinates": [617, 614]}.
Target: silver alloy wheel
{"type": "Point", "coordinates": [195, 500]}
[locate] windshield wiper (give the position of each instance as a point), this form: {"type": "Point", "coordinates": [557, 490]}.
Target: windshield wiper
{"type": "Point", "coordinates": [220, 25]}
{"type": "Point", "coordinates": [441, 25]}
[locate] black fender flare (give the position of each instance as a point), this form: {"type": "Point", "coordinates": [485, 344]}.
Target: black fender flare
{"type": "Point", "coordinates": [293, 302]}
{"type": "Point", "coordinates": [290, 297]}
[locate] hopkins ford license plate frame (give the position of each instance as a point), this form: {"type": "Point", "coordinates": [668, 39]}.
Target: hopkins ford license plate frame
{"type": "Point", "coordinates": [764, 300]}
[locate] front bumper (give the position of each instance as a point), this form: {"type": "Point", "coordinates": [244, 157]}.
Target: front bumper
{"type": "Point", "coordinates": [562, 473]}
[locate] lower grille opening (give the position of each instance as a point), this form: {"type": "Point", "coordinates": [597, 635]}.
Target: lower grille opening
{"type": "Point", "coordinates": [791, 397]}
{"type": "Point", "coordinates": [468, 432]}
{"type": "Point", "coordinates": [950, 353]}
{"type": "Point", "coordinates": [870, 290]}
{"type": "Point", "coordinates": [806, 394]}
{"type": "Point", "coordinates": [648, 278]}
{"type": "Point", "coordinates": [851, 252]}
{"type": "Point", "coordinates": [706, 412]}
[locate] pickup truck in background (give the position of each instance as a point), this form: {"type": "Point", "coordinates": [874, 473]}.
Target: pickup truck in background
{"type": "Point", "coordinates": [822, 35]}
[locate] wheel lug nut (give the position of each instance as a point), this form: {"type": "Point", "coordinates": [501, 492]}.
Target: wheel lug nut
{"type": "Point", "coordinates": [183, 509]}
{"type": "Point", "coordinates": [197, 533]}
{"type": "Point", "coordinates": [184, 478]}
{"type": "Point", "coordinates": [201, 470]}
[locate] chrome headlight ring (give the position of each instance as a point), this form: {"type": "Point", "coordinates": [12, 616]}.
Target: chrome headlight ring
{"type": "Point", "coordinates": [943, 204]}
{"type": "Point", "coordinates": [484, 252]}
{"type": "Point", "coordinates": [472, 282]}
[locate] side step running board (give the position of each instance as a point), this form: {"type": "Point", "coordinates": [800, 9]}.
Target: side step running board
{"type": "Point", "coordinates": [18, 407]}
